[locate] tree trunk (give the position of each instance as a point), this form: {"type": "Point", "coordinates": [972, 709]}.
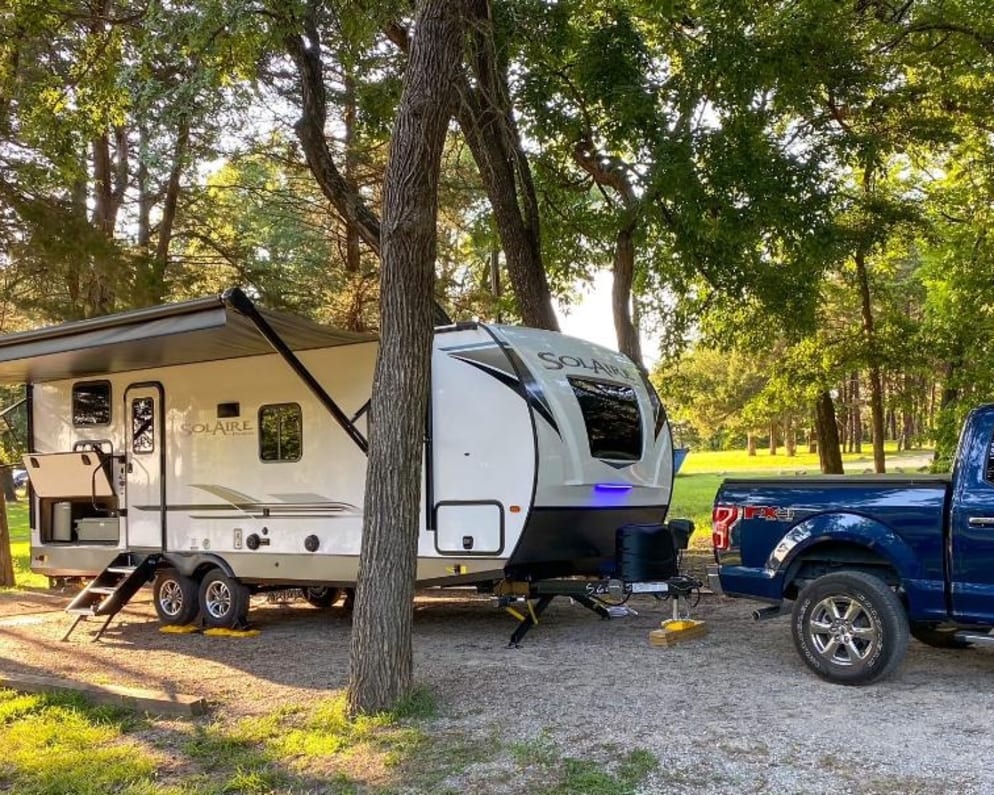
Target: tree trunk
{"type": "Point", "coordinates": [790, 437]}
{"type": "Point", "coordinates": [876, 379]}
{"type": "Point", "coordinates": [157, 287]}
{"type": "Point", "coordinates": [812, 441]}
{"type": "Point", "coordinates": [6, 558]}
{"type": "Point", "coordinates": [7, 483]}
{"type": "Point", "coordinates": [352, 254]}
{"type": "Point", "coordinates": [380, 651]}
{"type": "Point", "coordinates": [773, 438]}
{"type": "Point", "coordinates": [487, 121]}
{"type": "Point", "coordinates": [751, 443]}
{"type": "Point", "coordinates": [621, 298]}
{"type": "Point", "coordinates": [829, 453]}
{"type": "Point", "coordinates": [857, 417]}
{"type": "Point", "coordinates": [306, 55]}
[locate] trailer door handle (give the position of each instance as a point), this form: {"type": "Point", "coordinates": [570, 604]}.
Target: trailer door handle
{"type": "Point", "coordinates": [981, 521]}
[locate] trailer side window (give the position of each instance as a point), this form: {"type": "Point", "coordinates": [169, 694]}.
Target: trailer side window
{"type": "Point", "coordinates": [280, 432]}
{"type": "Point", "coordinates": [611, 414]}
{"type": "Point", "coordinates": [91, 403]}
{"type": "Point", "coordinates": [143, 425]}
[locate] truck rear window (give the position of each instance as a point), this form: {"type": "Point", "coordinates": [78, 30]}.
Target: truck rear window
{"type": "Point", "coordinates": [611, 414]}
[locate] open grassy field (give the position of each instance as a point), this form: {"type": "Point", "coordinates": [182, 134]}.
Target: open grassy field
{"type": "Point", "coordinates": [20, 546]}
{"type": "Point", "coordinates": [702, 473]}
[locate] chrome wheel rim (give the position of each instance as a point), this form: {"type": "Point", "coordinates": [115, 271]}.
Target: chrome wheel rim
{"type": "Point", "coordinates": [171, 598]}
{"type": "Point", "coordinates": [217, 599]}
{"type": "Point", "coordinates": [842, 631]}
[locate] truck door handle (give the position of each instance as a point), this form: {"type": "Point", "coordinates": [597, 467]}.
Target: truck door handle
{"type": "Point", "coordinates": [981, 521]}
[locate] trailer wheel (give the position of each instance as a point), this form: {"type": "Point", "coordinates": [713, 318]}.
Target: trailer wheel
{"type": "Point", "coordinates": [850, 628]}
{"type": "Point", "coordinates": [322, 596]}
{"type": "Point", "coordinates": [224, 601]}
{"type": "Point", "coordinates": [931, 635]}
{"type": "Point", "coordinates": [175, 597]}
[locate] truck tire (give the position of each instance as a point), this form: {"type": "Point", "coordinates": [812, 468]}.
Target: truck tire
{"type": "Point", "coordinates": [321, 596]}
{"type": "Point", "coordinates": [931, 635]}
{"type": "Point", "coordinates": [224, 601]}
{"type": "Point", "coordinates": [175, 597]}
{"type": "Point", "coordinates": [850, 628]}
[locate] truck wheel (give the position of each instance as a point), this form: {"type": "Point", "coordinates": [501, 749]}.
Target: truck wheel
{"type": "Point", "coordinates": [850, 628]}
{"type": "Point", "coordinates": [321, 596]}
{"type": "Point", "coordinates": [175, 597]}
{"type": "Point", "coordinates": [931, 635]}
{"type": "Point", "coordinates": [224, 601]}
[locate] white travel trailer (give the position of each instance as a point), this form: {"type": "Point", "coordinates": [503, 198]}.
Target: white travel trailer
{"type": "Point", "coordinates": [221, 448]}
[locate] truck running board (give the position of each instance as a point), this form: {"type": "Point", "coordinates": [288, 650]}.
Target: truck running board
{"type": "Point", "coordinates": [112, 589]}
{"type": "Point", "coordinates": [976, 638]}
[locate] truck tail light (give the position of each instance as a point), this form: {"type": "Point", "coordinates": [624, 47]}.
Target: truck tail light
{"type": "Point", "coordinates": [723, 519]}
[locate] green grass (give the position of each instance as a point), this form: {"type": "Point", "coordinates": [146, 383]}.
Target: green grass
{"type": "Point", "coordinates": [702, 472]}
{"type": "Point", "coordinates": [57, 744]}
{"type": "Point", "coordinates": [740, 461]}
{"type": "Point", "coordinates": [20, 546]}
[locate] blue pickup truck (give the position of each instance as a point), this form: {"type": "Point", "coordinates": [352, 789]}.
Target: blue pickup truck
{"type": "Point", "coordinates": [867, 560]}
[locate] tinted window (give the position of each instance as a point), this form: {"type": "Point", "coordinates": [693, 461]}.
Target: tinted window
{"type": "Point", "coordinates": [91, 403]}
{"type": "Point", "coordinates": [611, 414]}
{"type": "Point", "coordinates": [280, 432]}
{"type": "Point", "coordinates": [143, 425]}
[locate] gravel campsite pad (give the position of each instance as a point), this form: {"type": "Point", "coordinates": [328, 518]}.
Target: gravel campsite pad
{"type": "Point", "coordinates": [734, 711]}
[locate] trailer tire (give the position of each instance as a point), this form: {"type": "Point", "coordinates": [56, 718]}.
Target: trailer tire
{"type": "Point", "coordinates": [931, 635]}
{"type": "Point", "coordinates": [850, 628]}
{"type": "Point", "coordinates": [321, 596]}
{"type": "Point", "coordinates": [224, 601]}
{"type": "Point", "coordinates": [175, 597]}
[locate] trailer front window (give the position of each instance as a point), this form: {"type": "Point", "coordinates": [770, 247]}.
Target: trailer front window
{"type": "Point", "coordinates": [91, 403]}
{"type": "Point", "coordinates": [280, 432]}
{"type": "Point", "coordinates": [611, 414]}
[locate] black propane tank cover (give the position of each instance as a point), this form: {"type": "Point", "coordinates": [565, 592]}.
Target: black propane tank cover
{"type": "Point", "coordinates": [645, 553]}
{"type": "Point", "coordinates": [681, 530]}
{"type": "Point", "coordinates": [311, 543]}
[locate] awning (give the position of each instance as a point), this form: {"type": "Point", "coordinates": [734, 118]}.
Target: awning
{"type": "Point", "coordinates": [203, 330]}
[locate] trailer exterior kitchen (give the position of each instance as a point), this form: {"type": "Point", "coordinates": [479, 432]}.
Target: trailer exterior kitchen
{"type": "Point", "coordinates": [221, 448]}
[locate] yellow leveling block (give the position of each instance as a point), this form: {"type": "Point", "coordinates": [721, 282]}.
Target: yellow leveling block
{"type": "Point", "coordinates": [215, 632]}
{"type": "Point", "coordinates": [675, 630]}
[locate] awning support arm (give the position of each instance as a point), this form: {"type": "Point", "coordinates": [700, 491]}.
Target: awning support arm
{"type": "Point", "coordinates": [242, 304]}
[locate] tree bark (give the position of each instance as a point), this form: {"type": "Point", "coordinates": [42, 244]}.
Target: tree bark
{"type": "Point", "coordinates": [380, 651]}
{"type": "Point", "coordinates": [621, 298]}
{"type": "Point", "coordinates": [7, 483]}
{"type": "Point", "coordinates": [790, 437]}
{"type": "Point", "coordinates": [873, 356]}
{"type": "Point", "coordinates": [487, 121]}
{"type": "Point", "coordinates": [829, 454]}
{"type": "Point", "coordinates": [310, 132]}
{"type": "Point", "coordinates": [6, 557]}
{"type": "Point", "coordinates": [856, 429]}
{"type": "Point", "coordinates": [751, 444]}
{"type": "Point", "coordinates": [773, 438]}
{"type": "Point", "coordinates": [157, 288]}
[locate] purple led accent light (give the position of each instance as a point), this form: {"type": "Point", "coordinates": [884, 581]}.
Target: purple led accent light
{"type": "Point", "coordinates": [613, 487]}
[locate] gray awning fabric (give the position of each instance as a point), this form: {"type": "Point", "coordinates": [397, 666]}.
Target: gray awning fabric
{"type": "Point", "coordinates": [202, 330]}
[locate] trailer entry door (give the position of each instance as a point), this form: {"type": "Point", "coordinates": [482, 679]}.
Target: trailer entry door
{"type": "Point", "coordinates": [145, 455]}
